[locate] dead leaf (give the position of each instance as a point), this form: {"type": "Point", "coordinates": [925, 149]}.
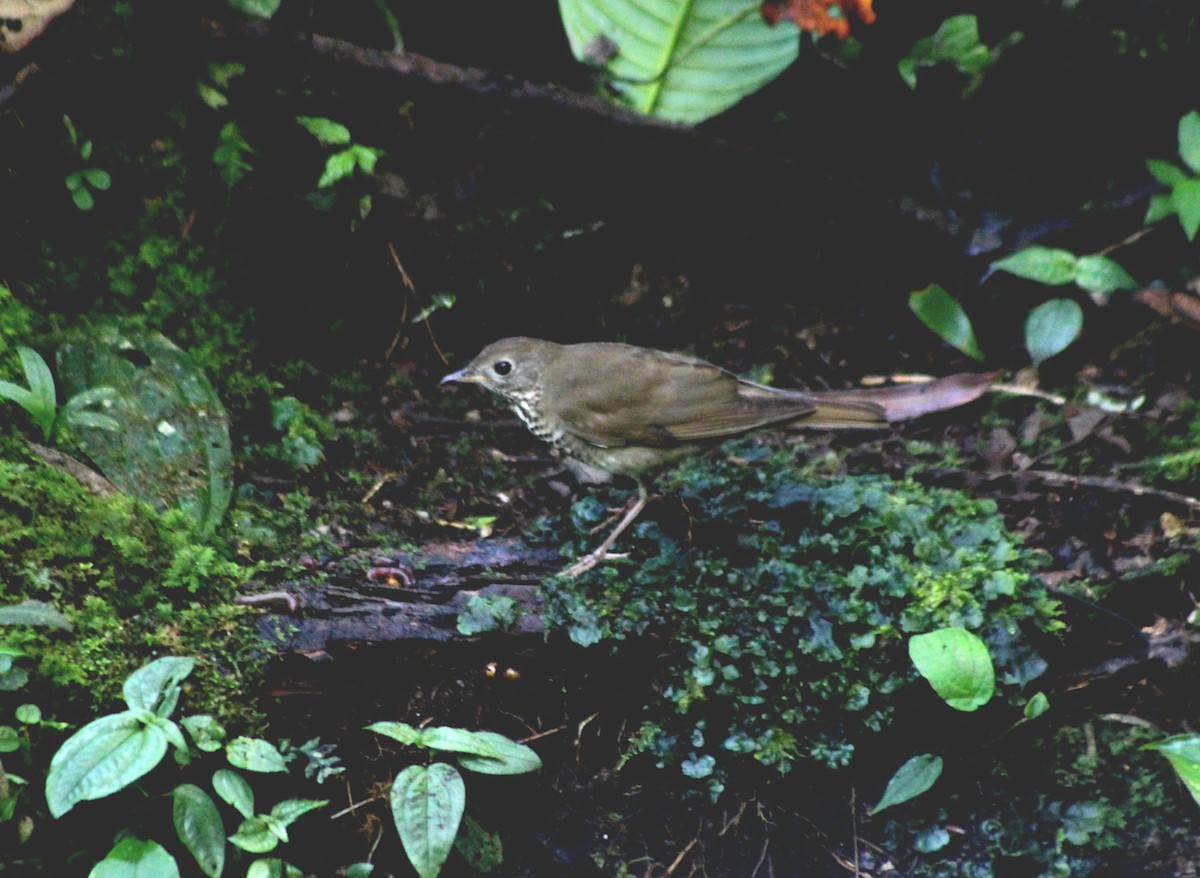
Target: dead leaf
{"type": "Point", "coordinates": [819, 16]}
{"type": "Point", "coordinates": [904, 401]}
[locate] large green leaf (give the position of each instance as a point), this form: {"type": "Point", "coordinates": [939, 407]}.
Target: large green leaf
{"type": "Point", "coordinates": [172, 448]}
{"type": "Point", "coordinates": [199, 826]}
{"type": "Point", "coordinates": [957, 665]}
{"type": "Point", "coordinates": [427, 806]}
{"type": "Point", "coordinates": [34, 613]}
{"type": "Point", "coordinates": [155, 686]}
{"type": "Point", "coordinates": [680, 60]}
{"type": "Point", "coordinates": [1183, 752]}
{"type": "Point", "coordinates": [104, 756]}
{"type": "Point", "coordinates": [134, 858]}
{"type": "Point", "coordinates": [1051, 327]}
{"type": "Point", "coordinates": [942, 313]}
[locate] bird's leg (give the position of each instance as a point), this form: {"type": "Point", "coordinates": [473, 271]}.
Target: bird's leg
{"type": "Point", "coordinates": [590, 560]}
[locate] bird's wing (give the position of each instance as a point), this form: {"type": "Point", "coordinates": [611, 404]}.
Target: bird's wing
{"type": "Point", "coordinates": [645, 397]}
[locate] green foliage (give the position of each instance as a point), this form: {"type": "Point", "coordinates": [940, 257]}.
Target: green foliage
{"type": "Point", "coordinates": [1184, 198]}
{"type": "Point", "coordinates": [487, 612]}
{"type": "Point", "coordinates": [305, 433]}
{"type": "Point", "coordinates": [1094, 273]}
{"type": "Point", "coordinates": [231, 154]}
{"type": "Point", "coordinates": [946, 318]}
{"type": "Point", "coordinates": [344, 162]}
{"type": "Point", "coordinates": [790, 607]}
{"type": "Point", "coordinates": [955, 42]}
{"type": "Point", "coordinates": [114, 751]}
{"type": "Point", "coordinates": [40, 399]}
{"type": "Point", "coordinates": [110, 753]}
{"type": "Point", "coordinates": [1097, 795]}
{"type": "Point", "coordinates": [81, 181]}
{"type": "Point", "coordinates": [428, 802]}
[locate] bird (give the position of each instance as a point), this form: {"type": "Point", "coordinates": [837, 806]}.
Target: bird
{"type": "Point", "coordinates": [633, 411]}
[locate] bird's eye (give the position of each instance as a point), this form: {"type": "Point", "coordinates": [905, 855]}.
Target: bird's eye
{"type": "Point", "coordinates": [502, 367]}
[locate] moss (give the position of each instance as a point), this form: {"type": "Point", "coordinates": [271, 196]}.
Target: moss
{"type": "Point", "coordinates": [788, 597]}
{"type": "Point", "coordinates": [131, 581]}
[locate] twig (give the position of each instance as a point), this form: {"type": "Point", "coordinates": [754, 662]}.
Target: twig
{"type": "Point", "coordinates": [1063, 480]}
{"type": "Point", "coordinates": [683, 853]}
{"type": "Point", "coordinates": [762, 856]}
{"type": "Point", "coordinates": [544, 734]}
{"type": "Point", "coordinates": [354, 807]}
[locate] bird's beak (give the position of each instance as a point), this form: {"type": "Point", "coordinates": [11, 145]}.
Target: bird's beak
{"type": "Point", "coordinates": [460, 375]}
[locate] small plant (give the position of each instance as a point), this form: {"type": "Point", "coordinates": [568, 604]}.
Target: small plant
{"type": "Point", "coordinates": [956, 42]}
{"type": "Point", "coordinates": [428, 801]}
{"type": "Point", "coordinates": [1184, 198]}
{"type": "Point", "coordinates": [1050, 327]}
{"type": "Point", "coordinates": [344, 162]}
{"type": "Point", "coordinates": [40, 399]}
{"type": "Point", "coordinates": [112, 752]}
{"type": "Point", "coordinates": [81, 181]}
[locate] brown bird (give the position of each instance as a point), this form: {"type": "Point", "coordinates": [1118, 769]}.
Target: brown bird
{"type": "Point", "coordinates": [632, 411]}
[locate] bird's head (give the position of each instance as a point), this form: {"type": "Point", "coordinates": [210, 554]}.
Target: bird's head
{"type": "Point", "coordinates": [511, 367]}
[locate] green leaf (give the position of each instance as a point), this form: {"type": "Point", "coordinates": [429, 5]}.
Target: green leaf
{"type": "Point", "coordinates": [41, 385]}
{"type": "Point", "coordinates": [1159, 207]}
{"type": "Point", "coordinates": [230, 155]}
{"type": "Point", "coordinates": [198, 824]}
{"type": "Point", "coordinates": [205, 731]}
{"type": "Point", "coordinates": [1042, 264]}
{"type": "Point", "coordinates": [29, 714]}
{"type": "Point", "coordinates": [34, 613]}
{"type": "Point", "coordinates": [254, 754]}
{"type": "Point", "coordinates": [946, 318]}
{"type": "Point", "coordinates": [256, 8]}
{"type": "Point", "coordinates": [104, 756]}
{"type": "Point", "coordinates": [427, 806]}
{"type": "Point", "coordinates": [910, 780]}
{"type": "Point", "coordinates": [930, 839]}
{"type": "Point", "coordinates": [402, 732]}
{"type": "Point", "coordinates": [83, 199]}
{"type": "Point", "coordinates": [507, 756]}
{"type": "Point", "coordinates": [1189, 140]}
{"type": "Point", "coordinates": [134, 858]}
{"type": "Point", "coordinates": [277, 868]}
{"type": "Point", "coordinates": [99, 179]}
{"type": "Point", "coordinates": [1051, 327]}
{"type": "Point", "coordinates": [1183, 752]}
{"type": "Point", "coordinates": [366, 157]}
{"type": "Point", "coordinates": [234, 789]}
{"type": "Point", "coordinates": [1185, 198]}
{"type": "Point", "coordinates": [1167, 173]}
{"type": "Point", "coordinates": [173, 449]}
{"type": "Point", "coordinates": [957, 665]}
{"type": "Point", "coordinates": [1099, 274]}
{"type": "Point", "coordinates": [10, 739]}
{"type": "Point", "coordinates": [337, 167]}
{"type": "Point", "coordinates": [680, 60]}
{"type": "Point", "coordinates": [213, 98]}
{"type": "Point", "coordinates": [325, 130]}
{"type": "Point", "coordinates": [481, 849]}
{"type": "Point", "coordinates": [1037, 705]}
{"type": "Point", "coordinates": [255, 836]}
{"type": "Point", "coordinates": [362, 870]}
{"type": "Point", "coordinates": [155, 686]}
{"type": "Point", "coordinates": [289, 810]}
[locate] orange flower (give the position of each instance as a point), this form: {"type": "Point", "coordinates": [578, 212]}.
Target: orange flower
{"type": "Point", "coordinates": [819, 16]}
